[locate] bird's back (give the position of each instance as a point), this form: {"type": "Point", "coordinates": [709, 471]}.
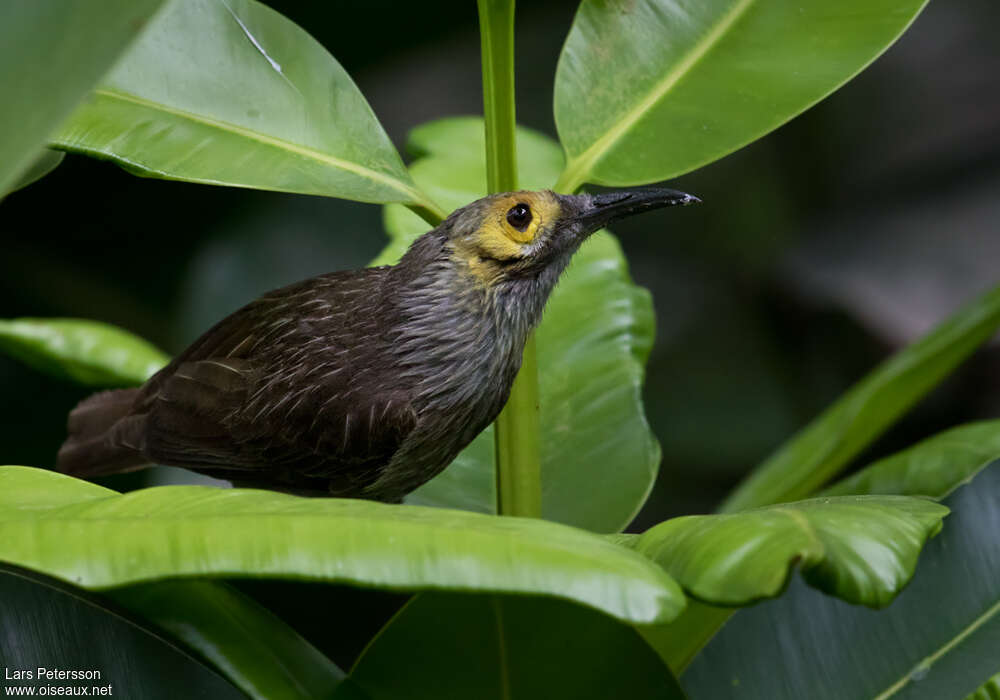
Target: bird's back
{"type": "Point", "coordinates": [287, 392]}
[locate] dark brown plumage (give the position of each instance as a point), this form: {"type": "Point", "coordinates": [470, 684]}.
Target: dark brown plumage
{"type": "Point", "coordinates": [358, 383]}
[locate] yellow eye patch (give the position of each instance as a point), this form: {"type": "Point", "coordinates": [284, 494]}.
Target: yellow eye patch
{"type": "Point", "coordinates": [493, 242]}
{"type": "Point", "coordinates": [501, 236]}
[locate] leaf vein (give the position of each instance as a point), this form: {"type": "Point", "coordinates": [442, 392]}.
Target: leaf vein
{"type": "Point", "coordinates": [931, 659]}
{"type": "Point", "coordinates": [579, 167]}
{"type": "Point", "coordinates": [411, 193]}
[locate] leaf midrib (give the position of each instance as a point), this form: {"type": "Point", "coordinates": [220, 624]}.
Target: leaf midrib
{"type": "Point", "coordinates": [411, 193]}
{"type": "Point", "coordinates": [579, 167]}
{"type": "Point", "coordinates": [928, 661]}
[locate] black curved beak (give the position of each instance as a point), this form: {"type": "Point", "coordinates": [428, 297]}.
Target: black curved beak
{"type": "Point", "coordinates": [591, 212]}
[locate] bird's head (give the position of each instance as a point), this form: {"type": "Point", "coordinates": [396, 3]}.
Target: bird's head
{"type": "Point", "coordinates": [521, 235]}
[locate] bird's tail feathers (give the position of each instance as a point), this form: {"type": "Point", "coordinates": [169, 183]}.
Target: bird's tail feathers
{"type": "Point", "coordinates": [94, 446]}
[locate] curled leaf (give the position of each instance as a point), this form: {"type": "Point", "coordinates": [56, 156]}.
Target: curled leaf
{"type": "Point", "coordinates": [863, 548]}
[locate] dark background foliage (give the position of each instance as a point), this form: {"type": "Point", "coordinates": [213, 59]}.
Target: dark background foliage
{"type": "Point", "coordinates": [819, 249]}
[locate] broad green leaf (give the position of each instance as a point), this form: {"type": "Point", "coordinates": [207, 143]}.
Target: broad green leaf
{"type": "Point", "coordinates": [88, 352]}
{"type": "Point", "coordinates": [441, 646]}
{"type": "Point", "coordinates": [255, 650]}
{"type": "Point", "coordinates": [679, 642]}
{"type": "Point", "coordinates": [859, 548]}
{"type": "Point", "coordinates": [938, 640]}
{"type": "Point", "coordinates": [98, 539]}
{"type": "Point", "coordinates": [43, 164]}
{"type": "Point", "coordinates": [599, 457]}
{"type": "Point", "coordinates": [50, 625]}
{"type": "Point", "coordinates": [990, 690]}
{"type": "Point", "coordinates": [649, 89]}
{"type": "Point", "coordinates": [51, 53]}
{"type": "Point", "coordinates": [934, 467]}
{"type": "Point", "coordinates": [229, 92]}
{"type": "Point", "coordinates": [821, 449]}
{"type": "Point", "coordinates": [825, 446]}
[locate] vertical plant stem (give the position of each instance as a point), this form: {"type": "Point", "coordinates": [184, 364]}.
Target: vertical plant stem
{"type": "Point", "coordinates": [517, 441]}
{"type": "Point", "coordinates": [496, 30]}
{"type": "Point", "coordinates": [518, 460]}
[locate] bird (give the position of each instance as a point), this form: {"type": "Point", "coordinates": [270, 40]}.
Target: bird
{"type": "Point", "coordinates": [359, 383]}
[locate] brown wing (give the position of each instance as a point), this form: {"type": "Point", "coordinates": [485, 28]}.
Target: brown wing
{"type": "Point", "coordinates": [287, 392]}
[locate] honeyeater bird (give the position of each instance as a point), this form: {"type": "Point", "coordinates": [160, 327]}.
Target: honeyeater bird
{"type": "Point", "coordinates": [362, 383]}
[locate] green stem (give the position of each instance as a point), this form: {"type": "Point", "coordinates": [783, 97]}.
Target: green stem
{"type": "Point", "coordinates": [429, 212]}
{"type": "Point", "coordinates": [569, 180]}
{"type": "Point", "coordinates": [518, 461]}
{"type": "Point", "coordinates": [517, 440]}
{"type": "Point", "coordinates": [496, 29]}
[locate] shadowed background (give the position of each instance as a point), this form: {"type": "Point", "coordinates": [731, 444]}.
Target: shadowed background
{"type": "Point", "coordinates": [819, 249]}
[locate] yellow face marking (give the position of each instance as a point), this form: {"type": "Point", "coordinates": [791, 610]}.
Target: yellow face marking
{"type": "Point", "coordinates": [497, 240]}
{"type": "Point", "coordinates": [494, 243]}
{"type": "Point", "coordinates": [485, 271]}
{"type": "Point", "coordinates": [502, 241]}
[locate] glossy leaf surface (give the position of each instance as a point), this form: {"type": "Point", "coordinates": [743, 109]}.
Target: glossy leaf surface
{"type": "Point", "coordinates": [821, 449]}
{"type": "Point", "coordinates": [934, 467]}
{"type": "Point", "coordinates": [45, 624]}
{"type": "Point", "coordinates": [43, 164]}
{"type": "Point", "coordinates": [826, 445]}
{"type": "Point", "coordinates": [87, 352]}
{"type": "Point", "coordinates": [229, 92]}
{"type": "Point", "coordinates": [862, 549]}
{"type": "Point", "coordinates": [651, 89]}
{"type": "Point", "coordinates": [939, 639]}
{"type": "Point", "coordinates": [990, 690]}
{"type": "Point", "coordinates": [599, 457]}
{"type": "Point", "coordinates": [96, 538]}
{"type": "Point", "coordinates": [499, 647]}
{"type": "Point", "coordinates": [49, 60]}
{"type": "Point", "coordinates": [256, 651]}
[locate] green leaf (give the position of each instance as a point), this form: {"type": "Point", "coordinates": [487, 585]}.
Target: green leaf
{"type": "Point", "coordinates": [43, 164]}
{"type": "Point", "coordinates": [51, 53]}
{"type": "Point", "coordinates": [939, 639]}
{"type": "Point", "coordinates": [821, 449]}
{"type": "Point", "coordinates": [825, 446]}
{"type": "Point", "coordinates": [255, 650]}
{"type": "Point", "coordinates": [651, 89]}
{"type": "Point", "coordinates": [46, 624]}
{"type": "Point", "coordinates": [96, 538]}
{"type": "Point", "coordinates": [859, 548]}
{"type": "Point", "coordinates": [934, 467]}
{"type": "Point", "coordinates": [88, 352]}
{"type": "Point", "coordinates": [599, 458]}
{"type": "Point", "coordinates": [502, 647]}
{"type": "Point", "coordinates": [990, 690]}
{"type": "Point", "coordinates": [679, 642]}
{"type": "Point", "coordinates": [229, 92]}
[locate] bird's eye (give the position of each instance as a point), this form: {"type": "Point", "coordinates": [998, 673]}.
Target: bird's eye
{"type": "Point", "coordinates": [519, 216]}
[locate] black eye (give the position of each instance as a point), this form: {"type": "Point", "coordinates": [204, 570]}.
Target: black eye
{"type": "Point", "coordinates": [519, 216]}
